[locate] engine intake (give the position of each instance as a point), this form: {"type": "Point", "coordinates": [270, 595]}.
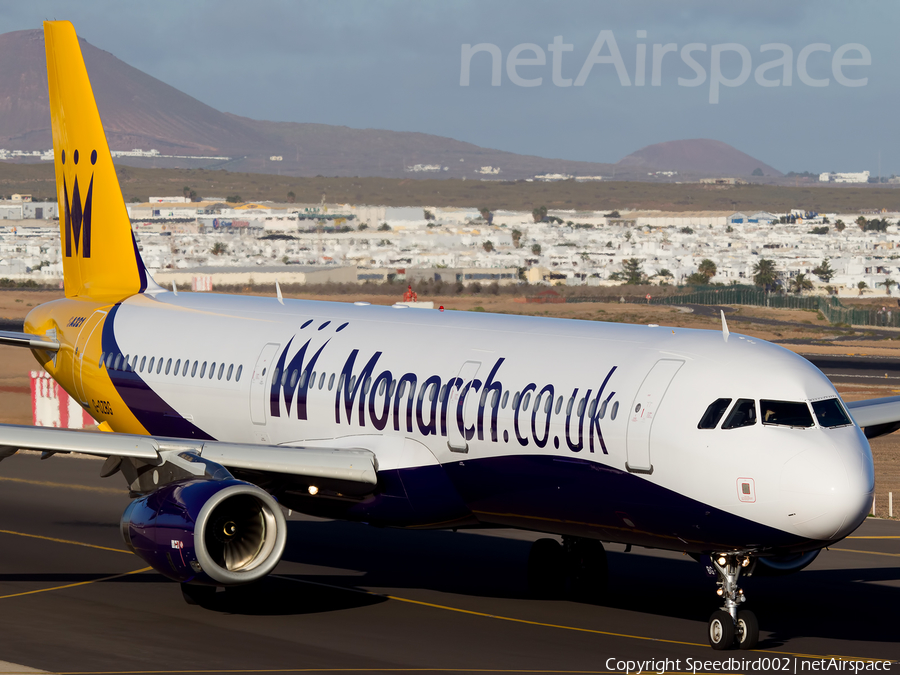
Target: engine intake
{"type": "Point", "coordinates": [223, 533]}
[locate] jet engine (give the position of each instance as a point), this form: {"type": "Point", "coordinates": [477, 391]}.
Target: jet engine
{"type": "Point", "coordinates": [776, 566]}
{"type": "Point", "coordinates": [211, 532]}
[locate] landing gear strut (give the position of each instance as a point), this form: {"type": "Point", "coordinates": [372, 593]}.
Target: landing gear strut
{"type": "Point", "coordinates": [730, 626]}
{"type": "Point", "coordinates": [576, 568]}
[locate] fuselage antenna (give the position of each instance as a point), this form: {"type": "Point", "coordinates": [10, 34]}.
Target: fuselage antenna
{"type": "Point", "coordinates": [278, 292]}
{"type": "Point", "coordinates": [725, 331]}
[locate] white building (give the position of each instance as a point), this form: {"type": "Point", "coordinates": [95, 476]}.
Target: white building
{"type": "Point", "coordinates": [861, 177]}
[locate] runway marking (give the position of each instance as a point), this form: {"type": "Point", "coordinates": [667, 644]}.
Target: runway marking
{"type": "Point", "coordinates": [65, 541]}
{"type": "Point", "coordinates": [79, 583]}
{"type": "Point", "coordinates": [551, 625]}
{"type": "Point", "coordinates": [484, 614]}
{"type": "Point", "coordinates": [887, 536]}
{"type": "Point", "coordinates": [421, 603]}
{"type": "Point", "coordinates": [880, 378]}
{"type": "Point", "coordinates": [71, 486]}
{"type": "Point", "coordinates": [850, 550]}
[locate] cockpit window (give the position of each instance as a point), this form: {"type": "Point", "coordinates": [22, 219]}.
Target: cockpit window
{"type": "Point", "coordinates": [743, 414]}
{"type": "Point", "coordinates": [714, 413]}
{"type": "Point", "coordinates": [830, 413]}
{"type": "Point", "coordinates": [785, 413]}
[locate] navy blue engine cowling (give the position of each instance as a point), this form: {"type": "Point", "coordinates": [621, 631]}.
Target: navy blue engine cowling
{"type": "Point", "coordinates": [776, 566]}
{"type": "Point", "coordinates": [214, 532]}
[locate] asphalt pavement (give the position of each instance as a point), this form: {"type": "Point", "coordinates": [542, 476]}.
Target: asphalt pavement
{"type": "Point", "coordinates": [353, 598]}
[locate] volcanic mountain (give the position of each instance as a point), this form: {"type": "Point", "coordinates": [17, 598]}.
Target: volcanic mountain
{"type": "Point", "coordinates": [139, 111]}
{"type": "Point", "coordinates": [700, 156]}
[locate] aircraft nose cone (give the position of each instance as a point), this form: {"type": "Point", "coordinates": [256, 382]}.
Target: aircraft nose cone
{"type": "Point", "coordinates": [827, 493]}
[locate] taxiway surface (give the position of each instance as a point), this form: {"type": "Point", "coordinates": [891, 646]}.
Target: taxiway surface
{"type": "Point", "coordinates": [349, 597]}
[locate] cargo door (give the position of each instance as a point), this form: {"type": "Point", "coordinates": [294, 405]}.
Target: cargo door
{"type": "Point", "coordinates": [643, 411]}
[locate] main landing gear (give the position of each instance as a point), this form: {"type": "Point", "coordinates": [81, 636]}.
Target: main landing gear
{"type": "Point", "coordinates": [730, 627]}
{"type": "Point", "coordinates": [576, 568]}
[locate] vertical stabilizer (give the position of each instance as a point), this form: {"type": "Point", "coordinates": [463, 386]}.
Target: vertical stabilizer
{"type": "Point", "coordinates": [99, 252]}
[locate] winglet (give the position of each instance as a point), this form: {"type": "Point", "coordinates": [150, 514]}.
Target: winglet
{"type": "Point", "coordinates": [725, 331]}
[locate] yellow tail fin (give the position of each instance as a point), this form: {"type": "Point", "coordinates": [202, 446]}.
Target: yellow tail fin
{"type": "Point", "coordinates": [100, 255]}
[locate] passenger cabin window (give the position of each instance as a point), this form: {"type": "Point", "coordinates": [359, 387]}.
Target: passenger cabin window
{"type": "Point", "coordinates": [743, 414]}
{"type": "Point", "coordinates": [830, 413]}
{"type": "Point", "coordinates": [713, 414]}
{"type": "Point", "coordinates": [785, 413]}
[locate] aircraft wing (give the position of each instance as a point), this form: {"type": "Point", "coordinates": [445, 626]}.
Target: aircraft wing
{"type": "Point", "coordinates": [346, 465]}
{"type": "Point", "coordinates": [877, 416]}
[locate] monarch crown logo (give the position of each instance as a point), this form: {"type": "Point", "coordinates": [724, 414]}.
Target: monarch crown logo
{"type": "Point", "coordinates": [78, 215]}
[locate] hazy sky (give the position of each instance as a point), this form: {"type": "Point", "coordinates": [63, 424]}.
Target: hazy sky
{"type": "Point", "coordinates": [824, 106]}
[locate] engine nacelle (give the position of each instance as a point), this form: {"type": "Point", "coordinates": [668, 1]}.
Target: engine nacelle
{"type": "Point", "coordinates": [214, 532]}
{"type": "Point", "coordinates": [776, 566]}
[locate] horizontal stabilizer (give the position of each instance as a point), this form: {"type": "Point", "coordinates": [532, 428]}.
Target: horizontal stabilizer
{"type": "Point", "coordinates": [12, 339]}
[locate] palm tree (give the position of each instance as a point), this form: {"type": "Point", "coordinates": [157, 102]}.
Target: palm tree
{"type": "Point", "coordinates": [764, 274]}
{"type": "Point", "coordinates": [707, 268]}
{"type": "Point", "coordinates": [824, 271]}
{"type": "Point", "coordinates": [862, 286]}
{"type": "Point", "coordinates": [800, 283]}
{"type": "Point", "coordinates": [887, 283]}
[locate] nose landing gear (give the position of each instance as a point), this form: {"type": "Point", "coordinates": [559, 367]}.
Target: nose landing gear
{"type": "Point", "coordinates": [730, 626]}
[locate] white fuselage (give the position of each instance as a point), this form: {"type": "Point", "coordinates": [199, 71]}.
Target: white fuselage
{"type": "Point", "coordinates": [541, 416]}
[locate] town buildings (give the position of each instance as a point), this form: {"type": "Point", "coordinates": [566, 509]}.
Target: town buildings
{"type": "Point", "coordinates": [321, 243]}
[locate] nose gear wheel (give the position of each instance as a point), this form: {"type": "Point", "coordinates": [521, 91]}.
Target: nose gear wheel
{"type": "Point", "coordinates": [730, 626]}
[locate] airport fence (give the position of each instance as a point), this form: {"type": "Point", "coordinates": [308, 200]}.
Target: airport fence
{"type": "Point", "coordinates": [830, 307]}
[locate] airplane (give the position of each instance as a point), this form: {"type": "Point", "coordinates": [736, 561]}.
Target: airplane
{"type": "Point", "coordinates": [223, 411]}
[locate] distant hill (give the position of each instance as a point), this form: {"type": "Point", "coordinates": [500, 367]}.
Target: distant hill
{"type": "Point", "coordinates": [699, 156]}
{"type": "Point", "coordinates": [139, 111]}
